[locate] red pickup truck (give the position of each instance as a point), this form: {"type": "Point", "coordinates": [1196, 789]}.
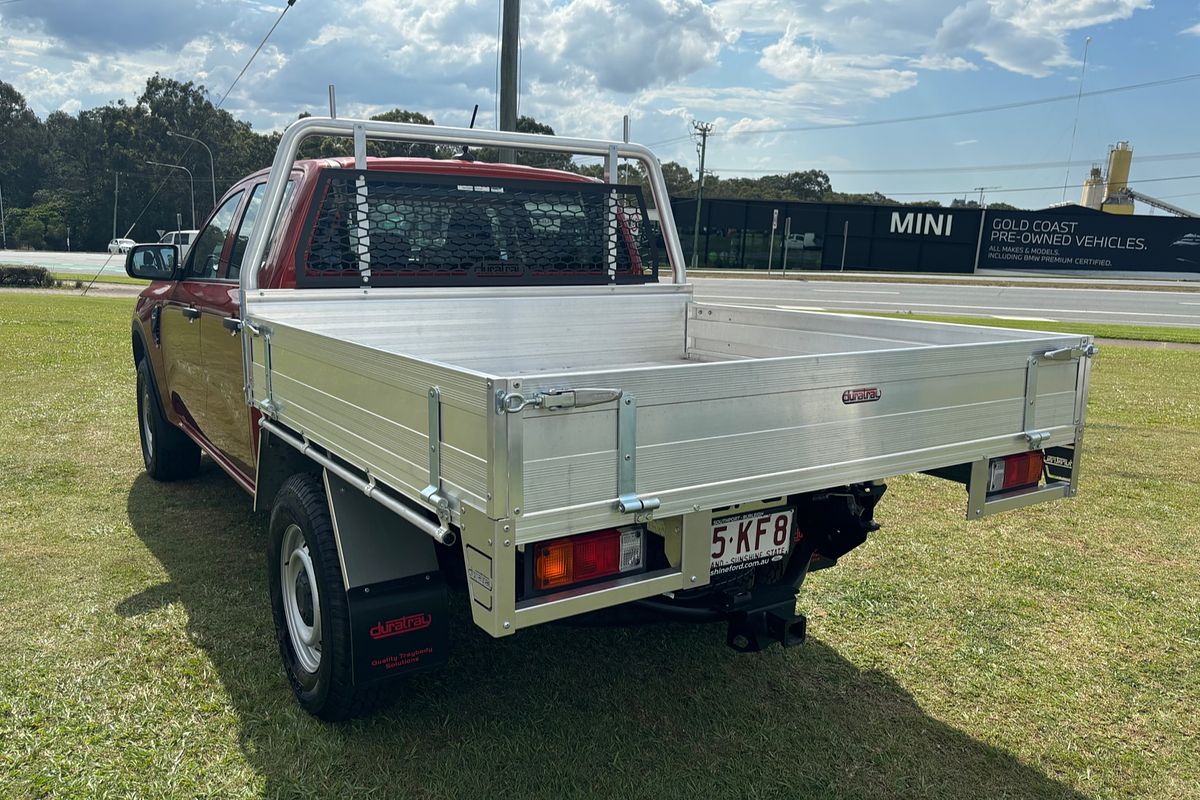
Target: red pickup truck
{"type": "Point", "coordinates": [439, 372]}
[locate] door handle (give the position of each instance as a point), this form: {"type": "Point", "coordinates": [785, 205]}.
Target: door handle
{"type": "Point", "coordinates": [192, 314]}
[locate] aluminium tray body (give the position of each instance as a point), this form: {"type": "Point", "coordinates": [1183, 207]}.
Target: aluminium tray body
{"type": "Point", "coordinates": [731, 403]}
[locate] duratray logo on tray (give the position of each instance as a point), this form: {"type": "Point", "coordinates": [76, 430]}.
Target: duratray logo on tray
{"type": "Point", "coordinates": [868, 395]}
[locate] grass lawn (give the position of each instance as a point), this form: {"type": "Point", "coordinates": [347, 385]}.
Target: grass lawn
{"type": "Point", "coordinates": [1150, 333]}
{"type": "Point", "coordinates": [1027, 282]}
{"type": "Point", "coordinates": [69, 279]}
{"type": "Point", "coordinates": [1049, 652]}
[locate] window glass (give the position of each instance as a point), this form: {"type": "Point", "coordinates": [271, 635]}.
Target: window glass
{"type": "Point", "coordinates": [247, 225]}
{"type": "Point", "coordinates": [204, 259]}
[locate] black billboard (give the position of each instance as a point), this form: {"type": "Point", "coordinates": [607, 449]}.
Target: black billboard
{"type": "Point", "coordinates": [1078, 238]}
{"type": "Point", "coordinates": [901, 238]}
{"type": "Point", "coordinates": [935, 239]}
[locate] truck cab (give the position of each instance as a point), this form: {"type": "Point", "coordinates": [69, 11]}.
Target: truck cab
{"type": "Point", "coordinates": [186, 319]}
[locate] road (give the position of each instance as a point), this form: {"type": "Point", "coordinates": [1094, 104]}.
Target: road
{"type": "Point", "coordinates": [1012, 301]}
{"type": "Point", "coordinates": [1034, 304]}
{"type": "Point", "coordinates": [83, 263]}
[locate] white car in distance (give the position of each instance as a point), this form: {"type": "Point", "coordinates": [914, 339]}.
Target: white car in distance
{"type": "Point", "coordinates": [182, 238]}
{"type": "Point", "coordinates": [120, 245]}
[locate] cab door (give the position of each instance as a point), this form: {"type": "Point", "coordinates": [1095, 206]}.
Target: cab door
{"type": "Point", "coordinates": [180, 338]}
{"type": "Point", "coordinates": [198, 292]}
{"type": "Point", "coordinates": [230, 427]}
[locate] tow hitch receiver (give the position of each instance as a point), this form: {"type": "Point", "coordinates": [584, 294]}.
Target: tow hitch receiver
{"type": "Point", "coordinates": [751, 631]}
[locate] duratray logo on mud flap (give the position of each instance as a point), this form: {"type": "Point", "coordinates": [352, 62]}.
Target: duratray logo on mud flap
{"type": "Point", "coordinates": [395, 627]}
{"type": "Point", "coordinates": [867, 395]}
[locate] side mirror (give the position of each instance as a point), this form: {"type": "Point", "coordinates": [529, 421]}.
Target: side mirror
{"type": "Point", "coordinates": [152, 262]}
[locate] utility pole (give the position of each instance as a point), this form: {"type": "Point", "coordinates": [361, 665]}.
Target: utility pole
{"type": "Point", "coordinates": [3, 224]}
{"type": "Point", "coordinates": [116, 191]}
{"type": "Point", "coordinates": [703, 129]}
{"type": "Point", "coordinates": [509, 44]}
{"type": "Point", "coordinates": [981, 190]}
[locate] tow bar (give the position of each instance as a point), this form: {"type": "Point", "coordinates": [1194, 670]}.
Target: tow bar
{"type": "Point", "coordinates": [751, 631]}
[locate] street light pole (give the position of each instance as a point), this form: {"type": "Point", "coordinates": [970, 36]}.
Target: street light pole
{"type": "Point", "coordinates": [3, 224]}
{"type": "Point", "coordinates": [212, 164]}
{"type": "Point", "coordinates": [189, 174]}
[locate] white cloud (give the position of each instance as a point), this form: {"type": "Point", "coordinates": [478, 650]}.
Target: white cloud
{"type": "Point", "coordinates": [1023, 36]}
{"type": "Point", "coordinates": [1194, 30]}
{"type": "Point", "coordinates": [965, 142]}
{"type": "Point", "coordinates": [834, 74]}
{"type": "Point", "coordinates": [625, 46]}
{"type": "Point", "coordinates": [1026, 36]}
{"type": "Point", "coordinates": [934, 62]}
{"type": "Point", "coordinates": [746, 64]}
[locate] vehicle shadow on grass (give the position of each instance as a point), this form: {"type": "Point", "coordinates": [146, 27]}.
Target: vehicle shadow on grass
{"type": "Point", "coordinates": [659, 710]}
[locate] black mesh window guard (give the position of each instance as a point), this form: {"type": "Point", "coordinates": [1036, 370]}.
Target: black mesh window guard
{"type": "Point", "coordinates": [376, 228]}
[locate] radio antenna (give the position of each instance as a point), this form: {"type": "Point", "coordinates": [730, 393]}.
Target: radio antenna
{"type": "Point", "coordinates": [465, 155]}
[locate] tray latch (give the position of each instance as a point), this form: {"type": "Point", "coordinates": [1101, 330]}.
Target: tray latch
{"type": "Point", "coordinates": [554, 399]}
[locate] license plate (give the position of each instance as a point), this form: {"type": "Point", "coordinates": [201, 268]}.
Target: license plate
{"type": "Point", "coordinates": [750, 539]}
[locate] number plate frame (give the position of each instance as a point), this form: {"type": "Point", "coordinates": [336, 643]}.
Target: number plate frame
{"type": "Point", "coordinates": [738, 544]}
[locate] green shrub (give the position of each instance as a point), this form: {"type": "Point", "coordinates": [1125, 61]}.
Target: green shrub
{"type": "Point", "coordinates": [20, 275]}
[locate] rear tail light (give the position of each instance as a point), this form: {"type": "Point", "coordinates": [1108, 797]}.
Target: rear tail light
{"type": "Point", "coordinates": [1013, 472]}
{"type": "Point", "coordinates": [588, 557]}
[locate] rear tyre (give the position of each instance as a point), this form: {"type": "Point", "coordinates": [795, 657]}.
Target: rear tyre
{"type": "Point", "coordinates": [168, 453]}
{"type": "Point", "coordinates": [308, 602]}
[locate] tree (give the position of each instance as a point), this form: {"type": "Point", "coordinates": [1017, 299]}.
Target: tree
{"type": "Point", "coordinates": [870, 198]}
{"type": "Point", "coordinates": [680, 182]}
{"type": "Point", "coordinates": [343, 147]}
{"type": "Point", "coordinates": [811, 184]}
{"type": "Point", "coordinates": [532, 158]}
{"type": "Point", "coordinates": [410, 150]}
{"type": "Point", "coordinates": [20, 146]}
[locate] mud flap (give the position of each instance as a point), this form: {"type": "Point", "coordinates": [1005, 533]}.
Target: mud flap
{"type": "Point", "coordinates": [398, 627]}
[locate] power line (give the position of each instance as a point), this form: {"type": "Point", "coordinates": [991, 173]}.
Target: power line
{"type": "Point", "coordinates": [945, 114]}
{"type": "Point", "coordinates": [960, 192]}
{"type": "Point", "coordinates": [187, 149]}
{"type": "Point", "coordinates": [1075, 124]}
{"type": "Point", "coordinates": [1016, 166]}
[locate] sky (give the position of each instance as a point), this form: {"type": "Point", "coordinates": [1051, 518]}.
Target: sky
{"type": "Point", "coordinates": [756, 69]}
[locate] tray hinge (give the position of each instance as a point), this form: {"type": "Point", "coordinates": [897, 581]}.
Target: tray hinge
{"type": "Point", "coordinates": [628, 501]}
{"type": "Point", "coordinates": [433, 494]}
{"type": "Point", "coordinates": [267, 404]}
